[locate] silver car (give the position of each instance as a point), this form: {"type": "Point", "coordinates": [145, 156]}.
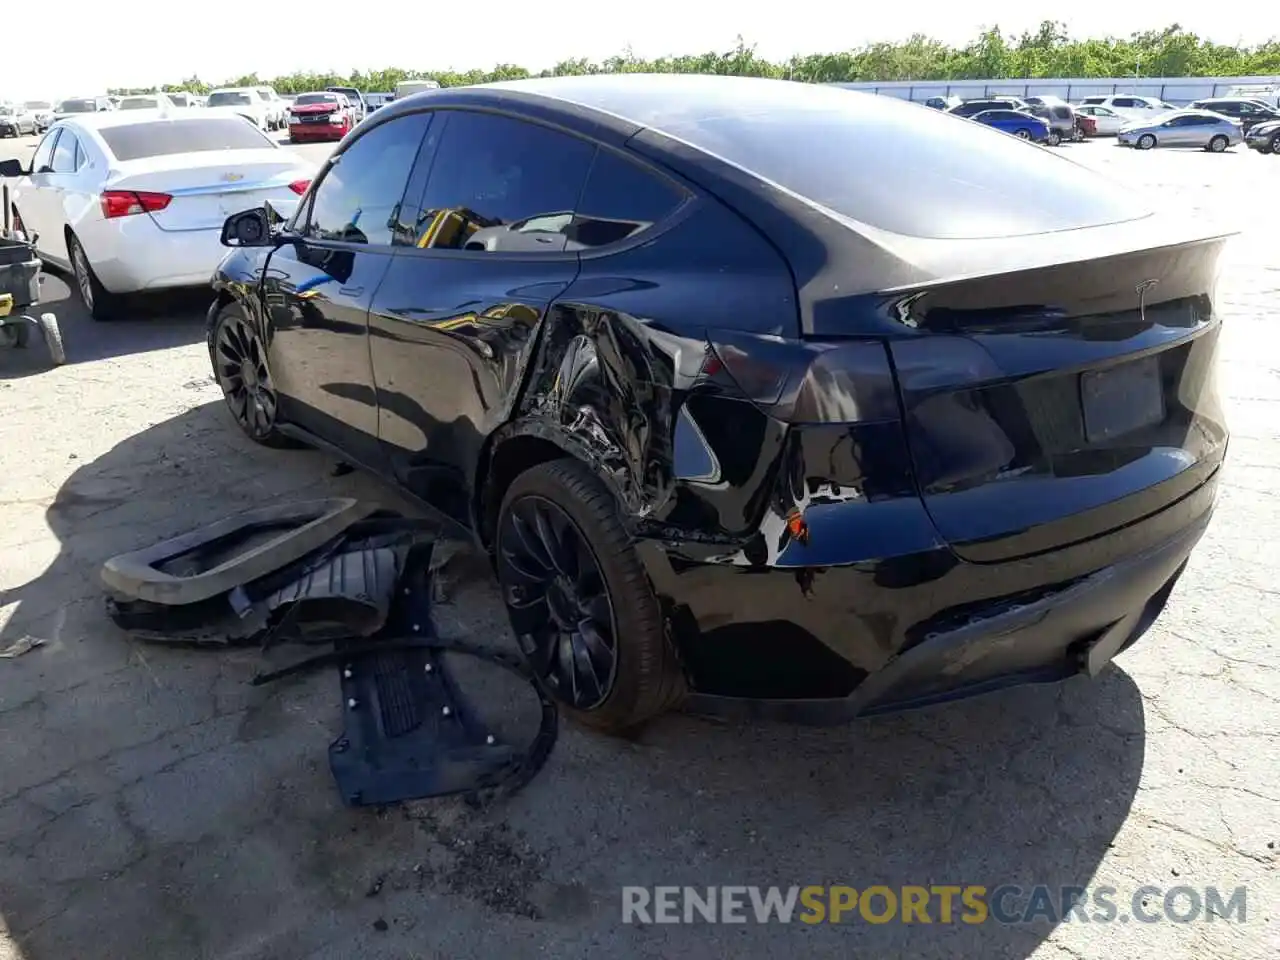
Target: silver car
{"type": "Point", "coordinates": [1183, 128]}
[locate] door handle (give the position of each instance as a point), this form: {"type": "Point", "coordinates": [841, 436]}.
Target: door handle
{"type": "Point", "coordinates": [351, 291]}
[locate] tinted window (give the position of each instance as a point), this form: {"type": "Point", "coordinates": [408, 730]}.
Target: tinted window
{"type": "Point", "coordinates": [44, 152]}
{"type": "Point", "coordinates": [159, 138]}
{"type": "Point", "coordinates": [77, 106]}
{"type": "Point", "coordinates": [358, 201]}
{"type": "Point", "coordinates": [139, 103]}
{"type": "Point", "coordinates": [871, 158]}
{"type": "Point", "coordinates": [306, 98]}
{"type": "Point", "coordinates": [499, 184]}
{"type": "Point", "coordinates": [1062, 113]}
{"type": "Point", "coordinates": [1093, 100]}
{"type": "Point", "coordinates": [228, 99]}
{"type": "Point", "coordinates": [64, 154]}
{"type": "Point", "coordinates": [1127, 102]}
{"type": "Point", "coordinates": [620, 199]}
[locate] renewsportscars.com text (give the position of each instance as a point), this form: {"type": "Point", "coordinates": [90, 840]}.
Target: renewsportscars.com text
{"type": "Point", "coordinates": [938, 903]}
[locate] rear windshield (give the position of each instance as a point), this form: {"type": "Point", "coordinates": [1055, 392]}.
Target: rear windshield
{"type": "Point", "coordinates": [878, 161]}
{"type": "Point", "coordinates": [37, 105]}
{"type": "Point", "coordinates": [305, 98]}
{"type": "Point", "coordinates": [78, 106]}
{"type": "Point", "coordinates": [139, 103]}
{"type": "Point", "coordinates": [161, 138]}
{"type": "Point", "coordinates": [228, 99]}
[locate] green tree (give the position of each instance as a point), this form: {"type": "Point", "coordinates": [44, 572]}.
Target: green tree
{"type": "Point", "coordinates": [1046, 52]}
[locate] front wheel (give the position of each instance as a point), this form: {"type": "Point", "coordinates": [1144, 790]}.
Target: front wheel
{"type": "Point", "coordinates": [1146, 142]}
{"type": "Point", "coordinates": [1274, 145]}
{"type": "Point", "coordinates": [579, 601]}
{"type": "Point", "coordinates": [1218, 144]}
{"type": "Point", "coordinates": [239, 360]}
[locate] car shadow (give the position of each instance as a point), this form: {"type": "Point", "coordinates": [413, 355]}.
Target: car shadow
{"type": "Point", "coordinates": [150, 322]}
{"type": "Point", "coordinates": [153, 803]}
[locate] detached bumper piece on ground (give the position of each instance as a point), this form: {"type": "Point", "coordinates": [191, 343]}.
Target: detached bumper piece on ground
{"type": "Point", "coordinates": [358, 581]}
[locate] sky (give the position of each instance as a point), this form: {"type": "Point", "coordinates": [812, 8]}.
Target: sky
{"type": "Point", "coordinates": [144, 42]}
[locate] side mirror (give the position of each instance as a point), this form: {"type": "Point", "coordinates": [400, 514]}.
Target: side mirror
{"type": "Point", "coordinates": [249, 228]}
{"type": "Point", "coordinates": [12, 168]}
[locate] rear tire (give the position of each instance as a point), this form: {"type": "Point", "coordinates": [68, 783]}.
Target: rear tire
{"type": "Point", "coordinates": [1218, 144]}
{"type": "Point", "coordinates": [1146, 142]}
{"type": "Point", "coordinates": [1022, 134]}
{"type": "Point", "coordinates": [1055, 138]}
{"type": "Point", "coordinates": [615, 668]}
{"type": "Point", "coordinates": [102, 304]}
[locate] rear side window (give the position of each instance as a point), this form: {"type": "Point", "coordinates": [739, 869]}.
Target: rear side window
{"type": "Point", "coordinates": [620, 200]}
{"type": "Point", "coordinates": [159, 138]}
{"type": "Point", "coordinates": [916, 173]}
{"type": "Point", "coordinates": [358, 201]}
{"type": "Point", "coordinates": [501, 185]}
{"type": "Point", "coordinates": [1062, 113]}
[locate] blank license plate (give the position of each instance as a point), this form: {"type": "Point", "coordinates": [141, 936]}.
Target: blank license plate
{"type": "Point", "coordinates": [1122, 399]}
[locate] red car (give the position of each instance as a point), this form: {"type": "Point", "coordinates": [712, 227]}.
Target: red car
{"type": "Point", "coordinates": [320, 116]}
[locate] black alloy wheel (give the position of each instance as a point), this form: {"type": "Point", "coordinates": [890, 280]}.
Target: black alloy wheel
{"type": "Point", "coordinates": [240, 367]}
{"type": "Point", "coordinates": [579, 602]}
{"type": "Point", "coordinates": [558, 602]}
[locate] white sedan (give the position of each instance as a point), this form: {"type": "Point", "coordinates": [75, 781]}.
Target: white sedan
{"type": "Point", "coordinates": [1107, 122]}
{"type": "Point", "coordinates": [134, 201]}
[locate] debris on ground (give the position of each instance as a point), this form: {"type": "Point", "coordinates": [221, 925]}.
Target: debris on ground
{"type": "Point", "coordinates": [20, 646]}
{"type": "Point", "coordinates": [367, 594]}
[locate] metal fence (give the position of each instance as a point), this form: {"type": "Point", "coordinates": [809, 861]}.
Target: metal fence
{"type": "Point", "coordinates": [1175, 90]}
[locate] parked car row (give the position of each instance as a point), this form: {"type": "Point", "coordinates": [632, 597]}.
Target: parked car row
{"type": "Point", "coordinates": [132, 200]}
{"type": "Point", "coordinates": [925, 491]}
{"type": "Point", "coordinates": [1214, 124]}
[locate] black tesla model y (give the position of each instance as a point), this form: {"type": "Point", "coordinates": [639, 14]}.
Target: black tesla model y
{"type": "Point", "coordinates": [766, 398]}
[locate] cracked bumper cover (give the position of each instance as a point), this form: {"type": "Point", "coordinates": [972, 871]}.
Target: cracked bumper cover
{"type": "Point", "coordinates": [1067, 627]}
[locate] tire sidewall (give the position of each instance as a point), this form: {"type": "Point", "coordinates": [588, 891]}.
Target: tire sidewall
{"type": "Point", "coordinates": [1146, 142]}
{"type": "Point", "coordinates": [1218, 144]}
{"type": "Point", "coordinates": [273, 437]}
{"type": "Point", "coordinates": [638, 624]}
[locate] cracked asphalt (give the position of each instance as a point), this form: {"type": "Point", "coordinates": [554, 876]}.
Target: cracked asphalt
{"type": "Point", "coordinates": [154, 805]}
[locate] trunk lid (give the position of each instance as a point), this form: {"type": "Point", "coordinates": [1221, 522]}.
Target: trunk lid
{"type": "Point", "coordinates": [1052, 404]}
{"type": "Point", "coordinates": [207, 188]}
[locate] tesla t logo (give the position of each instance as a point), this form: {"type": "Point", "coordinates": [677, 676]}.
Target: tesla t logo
{"type": "Point", "coordinates": [1141, 290]}
{"type": "Point", "coordinates": [236, 177]}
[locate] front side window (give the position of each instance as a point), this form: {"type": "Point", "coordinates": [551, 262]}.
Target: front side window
{"type": "Point", "coordinates": [42, 161]}
{"type": "Point", "coordinates": [64, 154]}
{"type": "Point", "coordinates": [359, 199]}
{"type": "Point", "coordinates": [502, 185]}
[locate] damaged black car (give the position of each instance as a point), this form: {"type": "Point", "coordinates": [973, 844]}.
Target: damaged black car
{"type": "Point", "coordinates": [766, 398]}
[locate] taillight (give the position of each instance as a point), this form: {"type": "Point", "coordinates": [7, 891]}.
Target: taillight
{"type": "Point", "coordinates": [804, 382]}
{"type": "Point", "coordinates": [300, 186]}
{"type": "Point", "coordinates": [126, 203]}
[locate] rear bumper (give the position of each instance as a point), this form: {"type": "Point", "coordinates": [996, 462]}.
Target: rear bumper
{"type": "Point", "coordinates": [883, 636]}
{"type": "Point", "coordinates": [135, 255]}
